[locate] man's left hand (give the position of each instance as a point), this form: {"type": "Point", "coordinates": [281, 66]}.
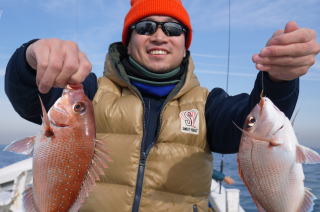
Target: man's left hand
{"type": "Point", "coordinates": [289, 53]}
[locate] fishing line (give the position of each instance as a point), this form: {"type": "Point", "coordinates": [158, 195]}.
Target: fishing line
{"type": "Point", "coordinates": [228, 73]}
{"type": "Point", "coordinates": [76, 15]}
{"type": "Point", "coordinates": [229, 42]}
{"type": "Point", "coordinates": [262, 85]}
{"type": "Point", "coordinates": [221, 170]}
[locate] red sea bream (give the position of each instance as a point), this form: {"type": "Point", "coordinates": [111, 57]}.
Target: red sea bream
{"type": "Point", "coordinates": [67, 159]}
{"type": "Point", "coordinates": [270, 161]}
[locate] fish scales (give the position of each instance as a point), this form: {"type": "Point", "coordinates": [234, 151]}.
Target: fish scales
{"type": "Point", "coordinates": [269, 161]}
{"type": "Point", "coordinates": [62, 169]}
{"type": "Point", "coordinates": [67, 159]}
{"type": "Point", "coordinates": [267, 182]}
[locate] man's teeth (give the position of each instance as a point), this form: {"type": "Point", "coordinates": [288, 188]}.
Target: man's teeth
{"type": "Point", "coordinates": [158, 52]}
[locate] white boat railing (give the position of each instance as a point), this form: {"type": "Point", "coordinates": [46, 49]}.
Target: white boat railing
{"type": "Point", "coordinates": [14, 179]}
{"type": "Point", "coordinates": [226, 200]}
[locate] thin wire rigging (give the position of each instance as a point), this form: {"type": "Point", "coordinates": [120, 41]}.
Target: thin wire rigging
{"type": "Point", "coordinates": [228, 73]}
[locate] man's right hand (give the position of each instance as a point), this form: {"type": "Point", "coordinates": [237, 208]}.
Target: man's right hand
{"type": "Point", "coordinates": [57, 62]}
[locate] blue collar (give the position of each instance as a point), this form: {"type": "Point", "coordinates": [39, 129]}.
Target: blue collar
{"type": "Point", "coordinates": [156, 90]}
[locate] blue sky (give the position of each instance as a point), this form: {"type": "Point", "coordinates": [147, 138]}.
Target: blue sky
{"type": "Point", "coordinates": [96, 24]}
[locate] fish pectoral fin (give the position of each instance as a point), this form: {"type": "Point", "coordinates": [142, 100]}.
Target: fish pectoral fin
{"type": "Point", "coordinates": [23, 146]}
{"type": "Point", "coordinates": [100, 147]}
{"type": "Point", "coordinates": [307, 203]}
{"type": "Point", "coordinates": [28, 202]}
{"type": "Point", "coordinates": [306, 155]}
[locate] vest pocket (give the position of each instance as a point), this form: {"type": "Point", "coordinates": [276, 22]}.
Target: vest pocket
{"type": "Point", "coordinates": [195, 208]}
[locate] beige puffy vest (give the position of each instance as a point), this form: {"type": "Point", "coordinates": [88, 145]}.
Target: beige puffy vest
{"type": "Point", "coordinates": [178, 168]}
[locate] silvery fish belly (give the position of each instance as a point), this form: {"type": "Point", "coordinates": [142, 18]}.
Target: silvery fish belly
{"type": "Point", "coordinates": [269, 161]}
{"type": "Point", "coordinates": [67, 159]}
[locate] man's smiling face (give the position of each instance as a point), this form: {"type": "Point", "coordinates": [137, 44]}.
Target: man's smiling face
{"type": "Point", "coordinates": [157, 52]}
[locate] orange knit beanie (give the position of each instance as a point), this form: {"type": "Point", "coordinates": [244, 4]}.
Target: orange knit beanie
{"type": "Point", "coordinates": [143, 8]}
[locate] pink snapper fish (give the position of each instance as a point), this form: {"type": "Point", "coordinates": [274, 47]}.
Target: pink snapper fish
{"type": "Point", "coordinates": [270, 161]}
{"type": "Point", "coordinates": [67, 159]}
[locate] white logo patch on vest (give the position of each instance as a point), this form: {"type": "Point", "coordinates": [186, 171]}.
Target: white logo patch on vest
{"type": "Point", "coordinates": [190, 121]}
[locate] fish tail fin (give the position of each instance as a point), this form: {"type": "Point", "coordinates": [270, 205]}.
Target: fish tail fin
{"type": "Point", "coordinates": [28, 202]}
{"type": "Point", "coordinates": [23, 146]}
{"type": "Point", "coordinates": [307, 203]}
{"type": "Point", "coordinates": [306, 155]}
{"type": "Point", "coordinates": [99, 163]}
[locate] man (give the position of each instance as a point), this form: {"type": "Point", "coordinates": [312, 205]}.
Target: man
{"type": "Point", "coordinates": [158, 123]}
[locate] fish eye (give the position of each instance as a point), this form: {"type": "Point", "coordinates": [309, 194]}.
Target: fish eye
{"type": "Point", "coordinates": [251, 121]}
{"type": "Point", "coordinates": [79, 107]}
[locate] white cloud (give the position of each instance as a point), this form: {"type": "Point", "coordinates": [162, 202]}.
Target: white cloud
{"type": "Point", "coordinates": [4, 56]}
{"type": "Point", "coordinates": [308, 77]}
{"type": "Point", "coordinates": [2, 72]}
{"type": "Point", "coordinates": [252, 14]}
{"type": "Point", "coordinates": [239, 74]}
{"type": "Point", "coordinates": [52, 5]}
{"type": "Point", "coordinates": [82, 8]}
{"type": "Point", "coordinates": [1, 12]}
{"type": "Point", "coordinates": [207, 55]}
{"type": "Point", "coordinates": [12, 125]}
{"type": "Point", "coordinates": [97, 24]}
{"type": "Point", "coordinates": [316, 66]}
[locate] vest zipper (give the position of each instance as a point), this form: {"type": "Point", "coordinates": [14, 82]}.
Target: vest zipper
{"type": "Point", "coordinates": [138, 191]}
{"type": "Point", "coordinates": [195, 208]}
{"type": "Point", "coordinates": [142, 164]}
{"type": "Point", "coordinates": [144, 155]}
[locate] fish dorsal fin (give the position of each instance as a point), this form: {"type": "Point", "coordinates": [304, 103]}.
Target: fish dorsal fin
{"type": "Point", "coordinates": [307, 203]}
{"type": "Point", "coordinates": [23, 146]}
{"type": "Point", "coordinates": [98, 164]}
{"type": "Point", "coordinates": [294, 117]}
{"type": "Point", "coordinates": [45, 121]}
{"type": "Point", "coordinates": [28, 202]}
{"type": "Point", "coordinates": [306, 155]}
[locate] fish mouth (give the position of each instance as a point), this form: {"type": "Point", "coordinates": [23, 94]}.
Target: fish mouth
{"type": "Point", "coordinates": [54, 122]}
{"type": "Point", "coordinates": [74, 86]}
{"type": "Point", "coordinates": [60, 125]}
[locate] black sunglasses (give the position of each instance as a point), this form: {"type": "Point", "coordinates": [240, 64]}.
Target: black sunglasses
{"type": "Point", "coordinates": [148, 27]}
